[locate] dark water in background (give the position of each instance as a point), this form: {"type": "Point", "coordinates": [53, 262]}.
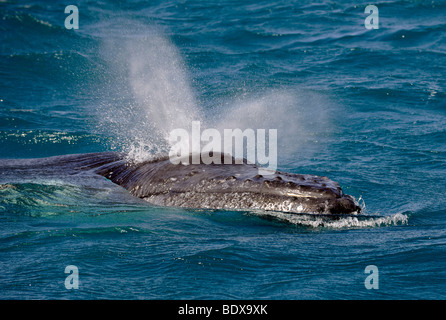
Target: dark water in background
{"type": "Point", "coordinates": [363, 107]}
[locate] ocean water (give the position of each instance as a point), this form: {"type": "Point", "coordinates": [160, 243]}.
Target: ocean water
{"type": "Point", "coordinates": [365, 107]}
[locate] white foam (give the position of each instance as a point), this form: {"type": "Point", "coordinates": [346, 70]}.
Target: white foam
{"type": "Point", "coordinates": [347, 222]}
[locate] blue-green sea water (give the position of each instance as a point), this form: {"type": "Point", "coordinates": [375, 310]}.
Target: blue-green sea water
{"type": "Point", "coordinates": [365, 107]}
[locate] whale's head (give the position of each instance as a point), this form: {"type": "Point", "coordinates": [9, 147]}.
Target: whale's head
{"type": "Point", "coordinates": [229, 186]}
{"type": "Point", "coordinates": [287, 192]}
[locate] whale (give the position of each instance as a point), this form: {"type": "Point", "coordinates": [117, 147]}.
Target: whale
{"type": "Point", "coordinates": [235, 186]}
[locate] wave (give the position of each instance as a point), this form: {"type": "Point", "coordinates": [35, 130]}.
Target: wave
{"type": "Point", "coordinates": [76, 195]}
{"type": "Point", "coordinates": [22, 20]}
{"type": "Point", "coordinates": [43, 143]}
{"type": "Point", "coordinates": [338, 222]}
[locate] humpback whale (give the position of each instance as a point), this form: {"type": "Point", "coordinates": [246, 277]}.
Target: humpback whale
{"type": "Point", "coordinates": [209, 186]}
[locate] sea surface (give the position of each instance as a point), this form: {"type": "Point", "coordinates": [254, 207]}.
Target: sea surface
{"type": "Point", "coordinates": [364, 107]}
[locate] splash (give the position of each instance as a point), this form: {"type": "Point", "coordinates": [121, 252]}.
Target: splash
{"type": "Point", "coordinates": [318, 221]}
{"type": "Point", "coordinates": [148, 94]}
{"type": "Point", "coordinates": [347, 222]}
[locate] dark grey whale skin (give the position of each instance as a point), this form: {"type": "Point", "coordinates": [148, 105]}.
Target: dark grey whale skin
{"type": "Point", "coordinates": [210, 186]}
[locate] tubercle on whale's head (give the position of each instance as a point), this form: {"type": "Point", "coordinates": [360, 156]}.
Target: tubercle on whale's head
{"type": "Point", "coordinates": [306, 203]}
{"type": "Point", "coordinates": [309, 194]}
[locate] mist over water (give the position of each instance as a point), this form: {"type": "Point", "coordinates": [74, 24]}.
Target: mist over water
{"type": "Point", "coordinates": [149, 92]}
{"type": "Point", "coordinates": [298, 116]}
